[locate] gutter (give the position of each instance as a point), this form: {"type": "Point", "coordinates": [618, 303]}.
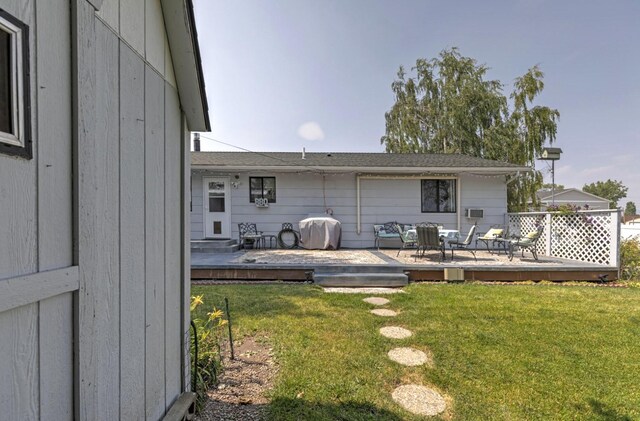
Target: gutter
{"type": "Point", "coordinates": [407, 171]}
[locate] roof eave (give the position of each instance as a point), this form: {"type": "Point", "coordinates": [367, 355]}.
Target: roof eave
{"type": "Point", "coordinates": [183, 43]}
{"type": "Point", "coordinates": [391, 170]}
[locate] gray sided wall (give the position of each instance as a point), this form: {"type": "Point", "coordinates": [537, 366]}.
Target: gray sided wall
{"type": "Point", "coordinates": [382, 200]}
{"type": "Point", "coordinates": [132, 152]}
{"type": "Point", "coordinates": [37, 278]}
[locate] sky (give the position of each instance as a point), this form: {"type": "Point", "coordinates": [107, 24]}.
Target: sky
{"type": "Point", "coordinates": [281, 75]}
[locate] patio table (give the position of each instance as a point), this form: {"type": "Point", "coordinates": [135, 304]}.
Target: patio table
{"type": "Point", "coordinates": [445, 234]}
{"type": "Point", "coordinates": [320, 233]}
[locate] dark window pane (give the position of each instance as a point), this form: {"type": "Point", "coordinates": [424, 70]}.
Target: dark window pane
{"type": "Point", "coordinates": [217, 227]}
{"type": "Point", "coordinates": [439, 196]}
{"type": "Point", "coordinates": [255, 188]}
{"type": "Point", "coordinates": [216, 204]}
{"type": "Point", "coordinates": [269, 189]}
{"type": "Point", "coordinates": [6, 114]}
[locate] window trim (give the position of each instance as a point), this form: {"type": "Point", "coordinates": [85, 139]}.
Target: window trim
{"type": "Point", "coordinates": [253, 200]}
{"type": "Point", "coordinates": [455, 196]}
{"type": "Point", "coordinates": [19, 142]}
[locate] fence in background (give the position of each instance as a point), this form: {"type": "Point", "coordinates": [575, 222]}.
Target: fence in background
{"type": "Point", "coordinates": [588, 236]}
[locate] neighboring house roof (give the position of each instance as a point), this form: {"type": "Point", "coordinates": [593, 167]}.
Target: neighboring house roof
{"type": "Point", "coordinates": [183, 42]}
{"type": "Point", "coordinates": [350, 160]}
{"type": "Point", "coordinates": [631, 219]}
{"type": "Point", "coordinates": [546, 195]}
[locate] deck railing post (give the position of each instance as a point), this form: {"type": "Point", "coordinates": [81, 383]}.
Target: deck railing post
{"type": "Point", "coordinates": [548, 233]}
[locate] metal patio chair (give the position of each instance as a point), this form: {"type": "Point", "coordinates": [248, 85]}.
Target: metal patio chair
{"type": "Point", "coordinates": [464, 245]}
{"type": "Point", "coordinates": [493, 236]}
{"type": "Point", "coordinates": [528, 242]}
{"type": "Point", "coordinates": [406, 239]}
{"type": "Point", "coordinates": [248, 234]}
{"type": "Point", "coordinates": [429, 239]}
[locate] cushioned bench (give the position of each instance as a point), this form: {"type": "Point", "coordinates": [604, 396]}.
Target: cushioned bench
{"type": "Point", "coordinates": [388, 232]}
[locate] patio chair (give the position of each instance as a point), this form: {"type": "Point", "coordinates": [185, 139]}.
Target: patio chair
{"type": "Point", "coordinates": [495, 233]}
{"type": "Point", "coordinates": [248, 234]}
{"type": "Point", "coordinates": [428, 239]}
{"type": "Point", "coordinates": [388, 230]}
{"type": "Point", "coordinates": [406, 239]}
{"type": "Point", "coordinates": [464, 245]}
{"type": "Point", "coordinates": [528, 242]}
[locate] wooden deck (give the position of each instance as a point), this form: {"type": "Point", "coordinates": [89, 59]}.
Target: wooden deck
{"type": "Point", "coordinates": [300, 265]}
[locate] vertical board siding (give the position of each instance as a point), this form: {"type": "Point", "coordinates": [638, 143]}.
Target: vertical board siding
{"type": "Point", "coordinates": [18, 224]}
{"type": "Point", "coordinates": [154, 248]}
{"type": "Point", "coordinates": [109, 12]}
{"type": "Point", "coordinates": [106, 279]}
{"type": "Point", "coordinates": [132, 24]}
{"type": "Point", "coordinates": [19, 391]}
{"type": "Point", "coordinates": [154, 35]}
{"type": "Point", "coordinates": [173, 239]}
{"type": "Point", "coordinates": [132, 232]}
{"type": "Point", "coordinates": [55, 200]}
{"type": "Point", "coordinates": [56, 358]}
{"type": "Point", "coordinates": [186, 253]}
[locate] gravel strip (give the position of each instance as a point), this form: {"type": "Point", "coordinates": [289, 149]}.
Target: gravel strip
{"type": "Point", "coordinates": [240, 395]}
{"type": "Point", "coordinates": [376, 301]}
{"type": "Point", "coordinates": [322, 257]}
{"type": "Point", "coordinates": [384, 312]}
{"type": "Point", "coordinates": [420, 400]}
{"type": "Point", "coordinates": [395, 332]}
{"type": "Point", "coordinates": [409, 357]}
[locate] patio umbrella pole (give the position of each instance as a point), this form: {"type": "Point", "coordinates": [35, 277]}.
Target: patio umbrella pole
{"type": "Point", "coordinates": [226, 305]}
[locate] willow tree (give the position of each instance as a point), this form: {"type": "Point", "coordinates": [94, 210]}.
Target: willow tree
{"type": "Point", "coordinates": [450, 107]}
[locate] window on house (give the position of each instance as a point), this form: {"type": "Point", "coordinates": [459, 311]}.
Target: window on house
{"type": "Point", "coordinates": [439, 196]}
{"type": "Point", "coordinates": [14, 88]}
{"type": "Point", "coordinates": [262, 188]}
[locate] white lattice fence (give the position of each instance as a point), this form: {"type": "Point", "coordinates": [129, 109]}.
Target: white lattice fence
{"type": "Point", "coordinates": [586, 236]}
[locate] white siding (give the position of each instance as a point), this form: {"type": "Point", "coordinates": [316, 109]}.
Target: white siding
{"type": "Point", "coordinates": [382, 200]}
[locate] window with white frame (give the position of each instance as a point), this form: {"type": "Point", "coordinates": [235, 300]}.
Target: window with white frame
{"type": "Point", "coordinates": [15, 136]}
{"type": "Point", "coordinates": [438, 196]}
{"type": "Point", "coordinates": [262, 188]}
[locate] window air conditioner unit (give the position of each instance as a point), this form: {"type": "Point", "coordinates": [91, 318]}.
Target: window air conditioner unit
{"type": "Point", "coordinates": [262, 202]}
{"type": "Point", "coordinates": [475, 213]}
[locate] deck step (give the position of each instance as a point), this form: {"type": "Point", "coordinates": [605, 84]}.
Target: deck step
{"type": "Point", "coordinates": [214, 246]}
{"type": "Point", "coordinates": [361, 279]}
{"type": "Point", "coordinates": [361, 269]}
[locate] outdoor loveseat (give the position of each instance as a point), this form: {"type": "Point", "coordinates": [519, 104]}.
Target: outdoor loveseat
{"type": "Point", "coordinates": [388, 233]}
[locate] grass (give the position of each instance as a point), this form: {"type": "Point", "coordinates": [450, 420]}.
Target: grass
{"type": "Point", "coordinates": [500, 352]}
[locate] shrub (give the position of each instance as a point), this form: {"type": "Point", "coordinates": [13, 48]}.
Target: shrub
{"type": "Point", "coordinates": [209, 333]}
{"type": "Point", "coordinates": [630, 259]}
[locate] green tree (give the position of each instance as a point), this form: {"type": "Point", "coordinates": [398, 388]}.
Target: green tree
{"type": "Point", "coordinates": [612, 190]}
{"type": "Point", "coordinates": [630, 208]}
{"type": "Point", "coordinates": [549, 186]}
{"type": "Point", "coordinates": [449, 107]}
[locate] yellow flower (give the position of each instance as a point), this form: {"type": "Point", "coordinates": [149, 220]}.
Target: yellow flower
{"type": "Point", "coordinates": [195, 301]}
{"type": "Point", "coordinates": [215, 314]}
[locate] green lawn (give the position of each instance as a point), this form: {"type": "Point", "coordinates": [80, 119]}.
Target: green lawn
{"type": "Point", "coordinates": [500, 352]}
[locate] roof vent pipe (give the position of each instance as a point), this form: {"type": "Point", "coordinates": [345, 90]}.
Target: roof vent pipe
{"type": "Point", "coordinates": [303, 153]}
{"type": "Point", "coordinates": [196, 142]}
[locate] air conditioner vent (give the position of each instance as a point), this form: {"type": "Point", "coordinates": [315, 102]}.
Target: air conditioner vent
{"type": "Point", "coordinates": [475, 213]}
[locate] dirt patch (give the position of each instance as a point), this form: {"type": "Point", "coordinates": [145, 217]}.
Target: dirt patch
{"type": "Point", "coordinates": [241, 394]}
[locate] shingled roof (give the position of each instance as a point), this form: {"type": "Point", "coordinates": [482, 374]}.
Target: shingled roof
{"type": "Point", "coordinates": [359, 160]}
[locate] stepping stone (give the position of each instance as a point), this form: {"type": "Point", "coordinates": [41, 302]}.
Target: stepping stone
{"type": "Point", "coordinates": [408, 356]}
{"type": "Point", "coordinates": [419, 400]}
{"type": "Point", "coordinates": [377, 301]}
{"type": "Point", "coordinates": [384, 312]}
{"type": "Point", "coordinates": [395, 332]}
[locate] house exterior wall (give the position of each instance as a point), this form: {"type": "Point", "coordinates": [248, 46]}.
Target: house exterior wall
{"type": "Point", "coordinates": [578, 198]}
{"type": "Point", "coordinates": [382, 200]}
{"type": "Point", "coordinates": [93, 266]}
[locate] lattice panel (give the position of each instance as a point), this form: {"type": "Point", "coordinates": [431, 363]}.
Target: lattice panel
{"type": "Point", "coordinates": [583, 236]}
{"type": "Point", "coordinates": [522, 223]}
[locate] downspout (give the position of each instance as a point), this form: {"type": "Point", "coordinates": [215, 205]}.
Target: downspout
{"type": "Point", "coordinates": [458, 195]}
{"type": "Point", "coordinates": [358, 228]}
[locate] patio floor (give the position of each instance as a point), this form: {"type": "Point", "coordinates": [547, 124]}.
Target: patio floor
{"type": "Point", "coordinates": [296, 264]}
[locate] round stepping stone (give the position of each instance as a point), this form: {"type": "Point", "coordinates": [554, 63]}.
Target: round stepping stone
{"type": "Point", "coordinates": [395, 332]}
{"type": "Point", "coordinates": [419, 400]}
{"type": "Point", "coordinates": [384, 312]}
{"type": "Point", "coordinates": [408, 356]}
{"type": "Point", "coordinates": [378, 301]}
